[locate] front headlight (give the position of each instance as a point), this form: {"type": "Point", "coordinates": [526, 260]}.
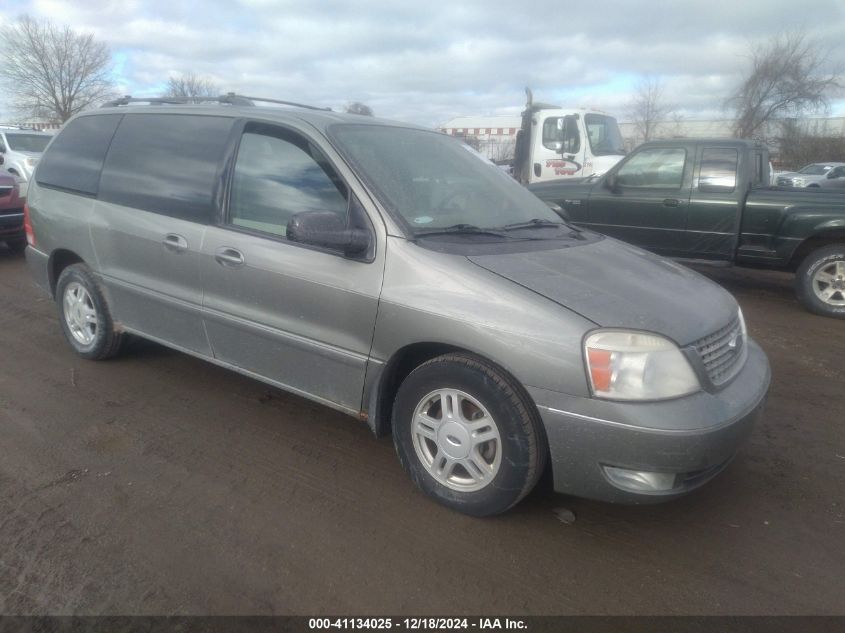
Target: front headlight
{"type": "Point", "coordinates": [797, 182]}
{"type": "Point", "coordinates": [630, 365]}
{"type": "Point", "coordinates": [31, 161]}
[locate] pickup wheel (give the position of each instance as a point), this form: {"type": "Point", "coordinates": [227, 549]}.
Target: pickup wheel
{"type": "Point", "coordinates": [820, 281]}
{"type": "Point", "coordinates": [467, 435]}
{"type": "Point", "coordinates": [84, 314]}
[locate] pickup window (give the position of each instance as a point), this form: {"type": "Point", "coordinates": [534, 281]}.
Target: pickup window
{"type": "Point", "coordinates": [718, 169]}
{"type": "Point", "coordinates": [657, 167]}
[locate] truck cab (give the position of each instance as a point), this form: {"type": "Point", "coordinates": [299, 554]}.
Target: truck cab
{"type": "Point", "coordinates": [710, 200]}
{"type": "Point", "coordinates": [554, 143]}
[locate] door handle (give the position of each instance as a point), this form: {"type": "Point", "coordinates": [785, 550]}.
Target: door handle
{"type": "Point", "coordinates": [671, 202]}
{"type": "Point", "coordinates": [229, 256]}
{"type": "Point", "coordinates": [175, 243]}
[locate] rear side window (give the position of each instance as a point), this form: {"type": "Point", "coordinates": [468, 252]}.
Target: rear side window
{"type": "Point", "coordinates": [718, 169]}
{"type": "Point", "coordinates": [166, 163]}
{"type": "Point", "coordinates": [75, 159]}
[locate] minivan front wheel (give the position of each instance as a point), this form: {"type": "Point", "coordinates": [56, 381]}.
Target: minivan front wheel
{"type": "Point", "coordinates": [84, 314]}
{"type": "Point", "coordinates": [467, 435]}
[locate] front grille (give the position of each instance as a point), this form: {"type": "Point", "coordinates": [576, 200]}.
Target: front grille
{"type": "Point", "coordinates": [784, 182]}
{"type": "Point", "coordinates": [722, 353]}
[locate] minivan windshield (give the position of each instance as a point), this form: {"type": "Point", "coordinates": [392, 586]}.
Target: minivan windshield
{"type": "Point", "coordinates": [431, 182]}
{"type": "Point", "coordinates": [27, 142]}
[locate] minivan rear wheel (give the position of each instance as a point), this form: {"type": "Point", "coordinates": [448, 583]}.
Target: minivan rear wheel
{"type": "Point", "coordinates": [84, 314]}
{"type": "Point", "coordinates": [467, 434]}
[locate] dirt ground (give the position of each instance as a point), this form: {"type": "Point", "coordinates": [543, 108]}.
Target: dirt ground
{"type": "Point", "coordinates": [160, 484]}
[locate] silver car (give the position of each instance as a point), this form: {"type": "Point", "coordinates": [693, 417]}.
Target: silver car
{"type": "Point", "coordinates": [382, 270]}
{"type": "Point", "coordinates": [812, 175]}
{"type": "Point", "coordinates": [835, 179]}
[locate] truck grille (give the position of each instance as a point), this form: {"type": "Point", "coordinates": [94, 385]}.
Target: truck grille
{"type": "Point", "coordinates": [784, 182]}
{"type": "Point", "coordinates": [723, 352]}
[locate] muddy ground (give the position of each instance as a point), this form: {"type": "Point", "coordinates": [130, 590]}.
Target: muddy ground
{"type": "Point", "coordinates": [160, 484]}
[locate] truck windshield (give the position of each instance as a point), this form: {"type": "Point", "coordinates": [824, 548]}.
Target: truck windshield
{"type": "Point", "coordinates": [27, 142]}
{"type": "Point", "coordinates": [605, 138]}
{"type": "Point", "coordinates": [431, 182]}
{"type": "Point", "coordinates": [815, 170]}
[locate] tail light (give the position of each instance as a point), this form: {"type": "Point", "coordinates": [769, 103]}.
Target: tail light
{"type": "Point", "coordinates": [27, 226]}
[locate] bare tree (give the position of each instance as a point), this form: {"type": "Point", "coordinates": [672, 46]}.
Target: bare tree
{"type": "Point", "coordinates": [356, 107]}
{"type": "Point", "coordinates": [192, 87]}
{"type": "Point", "coordinates": [678, 121]}
{"type": "Point", "coordinates": [787, 78]}
{"type": "Point", "coordinates": [53, 72]}
{"type": "Point", "coordinates": [648, 107]}
{"type": "Point", "coordinates": [800, 145]}
{"type": "Point", "coordinates": [502, 150]}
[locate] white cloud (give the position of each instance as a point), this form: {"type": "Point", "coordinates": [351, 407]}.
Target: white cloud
{"type": "Point", "coordinates": [427, 62]}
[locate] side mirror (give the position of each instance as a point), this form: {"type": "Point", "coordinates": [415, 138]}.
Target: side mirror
{"type": "Point", "coordinates": [611, 183]}
{"type": "Point", "coordinates": [831, 174]}
{"type": "Point", "coordinates": [570, 135]}
{"type": "Point", "coordinates": [558, 209]}
{"type": "Point", "coordinates": [328, 230]}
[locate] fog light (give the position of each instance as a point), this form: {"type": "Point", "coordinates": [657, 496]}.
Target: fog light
{"type": "Point", "coordinates": [640, 480]}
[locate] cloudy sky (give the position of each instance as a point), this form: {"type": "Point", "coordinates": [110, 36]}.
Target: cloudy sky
{"type": "Point", "coordinates": [428, 61]}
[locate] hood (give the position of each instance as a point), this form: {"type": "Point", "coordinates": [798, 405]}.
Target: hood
{"type": "Point", "coordinates": [616, 285]}
{"type": "Point", "coordinates": [795, 174]}
{"type": "Point", "coordinates": [563, 188]}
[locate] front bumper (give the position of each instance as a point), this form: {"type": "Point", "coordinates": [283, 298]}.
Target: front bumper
{"type": "Point", "coordinates": [693, 437]}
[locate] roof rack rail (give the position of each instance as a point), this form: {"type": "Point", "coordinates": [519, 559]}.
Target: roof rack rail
{"type": "Point", "coordinates": [229, 98]}
{"type": "Point", "coordinates": [122, 101]}
{"type": "Point", "coordinates": [238, 100]}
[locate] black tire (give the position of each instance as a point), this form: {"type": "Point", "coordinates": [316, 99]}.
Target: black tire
{"type": "Point", "coordinates": [819, 259]}
{"type": "Point", "coordinates": [106, 342]}
{"type": "Point", "coordinates": [522, 437]}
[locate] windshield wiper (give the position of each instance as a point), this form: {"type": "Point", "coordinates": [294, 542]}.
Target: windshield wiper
{"type": "Point", "coordinates": [540, 223]}
{"type": "Point", "coordinates": [532, 224]}
{"type": "Point", "coordinates": [461, 229]}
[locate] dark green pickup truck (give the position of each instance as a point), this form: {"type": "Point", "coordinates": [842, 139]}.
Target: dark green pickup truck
{"type": "Point", "coordinates": [711, 200]}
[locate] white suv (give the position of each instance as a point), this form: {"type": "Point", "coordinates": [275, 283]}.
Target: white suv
{"type": "Point", "coordinates": [21, 148]}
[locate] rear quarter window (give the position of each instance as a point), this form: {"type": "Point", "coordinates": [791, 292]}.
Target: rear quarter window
{"type": "Point", "coordinates": [167, 163]}
{"type": "Point", "coordinates": [75, 158]}
{"type": "Point", "coordinates": [717, 171]}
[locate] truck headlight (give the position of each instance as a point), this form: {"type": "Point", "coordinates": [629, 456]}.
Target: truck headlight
{"type": "Point", "coordinates": [631, 365]}
{"type": "Point", "coordinates": [31, 162]}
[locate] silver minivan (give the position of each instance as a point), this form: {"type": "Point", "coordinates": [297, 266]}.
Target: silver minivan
{"type": "Point", "coordinates": [383, 270]}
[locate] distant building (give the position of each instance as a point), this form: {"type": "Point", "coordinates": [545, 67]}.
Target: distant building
{"type": "Point", "coordinates": [45, 127]}
{"type": "Point", "coordinates": [493, 136]}
{"type": "Point", "coordinates": [723, 128]}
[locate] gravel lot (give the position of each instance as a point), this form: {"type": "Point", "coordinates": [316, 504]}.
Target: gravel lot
{"type": "Point", "coordinates": [159, 484]}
